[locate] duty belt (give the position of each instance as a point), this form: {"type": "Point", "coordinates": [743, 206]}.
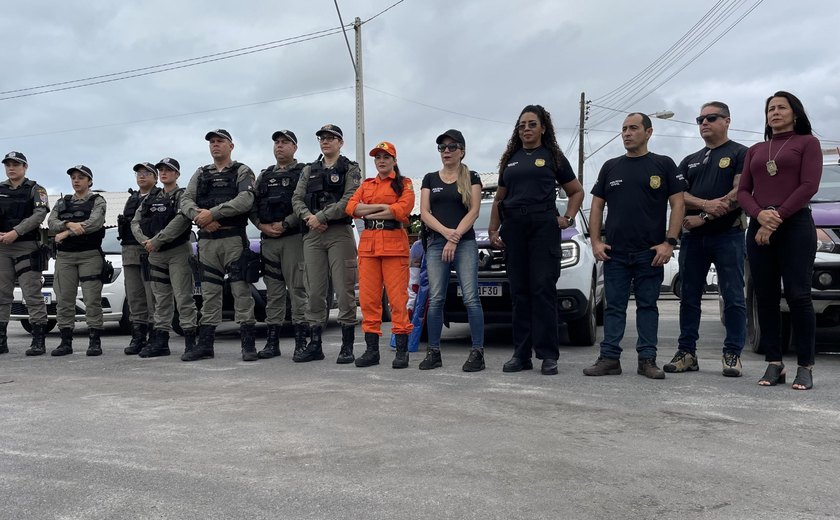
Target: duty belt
{"type": "Point", "coordinates": [222, 233]}
{"type": "Point", "coordinates": [383, 224]}
{"type": "Point", "coordinates": [525, 210]}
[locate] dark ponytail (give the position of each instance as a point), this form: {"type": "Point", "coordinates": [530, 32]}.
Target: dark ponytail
{"type": "Point", "coordinates": [397, 182]}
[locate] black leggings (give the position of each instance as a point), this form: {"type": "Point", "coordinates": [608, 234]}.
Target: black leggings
{"type": "Point", "coordinates": [790, 258]}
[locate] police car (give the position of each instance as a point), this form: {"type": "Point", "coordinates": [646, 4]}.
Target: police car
{"type": "Point", "coordinates": [114, 303]}
{"type": "Point", "coordinates": [580, 287]}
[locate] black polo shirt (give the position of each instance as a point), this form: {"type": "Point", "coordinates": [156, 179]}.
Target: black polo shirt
{"type": "Point", "coordinates": [712, 177]}
{"type": "Point", "coordinates": [637, 190]}
{"type": "Point", "coordinates": [531, 178]}
{"type": "Point", "coordinates": [445, 202]}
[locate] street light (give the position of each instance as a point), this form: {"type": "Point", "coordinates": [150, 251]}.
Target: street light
{"type": "Point", "coordinates": [662, 114]}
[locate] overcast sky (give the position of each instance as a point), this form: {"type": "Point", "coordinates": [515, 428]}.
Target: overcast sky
{"type": "Point", "coordinates": [477, 62]}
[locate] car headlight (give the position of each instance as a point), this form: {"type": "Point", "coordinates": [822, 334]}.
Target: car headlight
{"type": "Point", "coordinates": [569, 254]}
{"type": "Point", "coordinates": [824, 242]}
{"type": "Point", "coordinates": [117, 271]}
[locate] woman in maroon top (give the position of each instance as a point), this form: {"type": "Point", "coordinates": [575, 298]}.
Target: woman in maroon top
{"type": "Point", "coordinates": [779, 178]}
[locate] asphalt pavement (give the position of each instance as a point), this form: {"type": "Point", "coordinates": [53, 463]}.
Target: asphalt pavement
{"type": "Point", "coordinates": [123, 437]}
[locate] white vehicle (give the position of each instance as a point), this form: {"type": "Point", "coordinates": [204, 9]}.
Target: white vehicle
{"type": "Point", "coordinates": [580, 288]}
{"type": "Point", "coordinates": [114, 303]}
{"type": "Point", "coordinates": [671, 281]}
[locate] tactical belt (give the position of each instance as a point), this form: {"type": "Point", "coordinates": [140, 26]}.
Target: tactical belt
{"type": "Point", "coordinates": [222, 233]}
{"type": "Point", "coordinates": [383, 224]}
{"type": "Point", "coordinates": [158, 279]}
{"type": "Point", "coordinates": [271, 274]}
{"type": "Point", "coordinates": [529, 210]}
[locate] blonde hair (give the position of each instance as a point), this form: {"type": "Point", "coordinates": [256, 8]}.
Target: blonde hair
{"type": "Point", "coordinates": [464, 185]}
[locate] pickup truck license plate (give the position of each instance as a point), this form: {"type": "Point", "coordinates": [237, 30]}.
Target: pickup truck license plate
{"type": "Point", "coordinates": [487, 289]}
{"type": "Point", "coordinates": [47, 298]}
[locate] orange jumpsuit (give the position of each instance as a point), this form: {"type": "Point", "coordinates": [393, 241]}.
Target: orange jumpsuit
{"type": "Point", "coordinates": [383, 256]}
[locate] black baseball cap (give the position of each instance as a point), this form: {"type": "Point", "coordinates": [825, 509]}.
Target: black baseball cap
{"type": "Point", "coordinates": [149, 167]}
{"type": "Point", "coordinates": [453, 134]}
{"type": "Point", "coordinates": [219, 132]}
{"type": "Point", "coordinates": [170, 163]}
{"type": "Point", "coordinates": [288, 134]}
{"type": "Point", "coordinates": [330, 129]}
{"type": "Point", "coordinates": [17, 157]}
{"type": "Point", "coordinates": [81, 168]}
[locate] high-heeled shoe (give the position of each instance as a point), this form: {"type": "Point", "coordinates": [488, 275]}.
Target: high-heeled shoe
{"type": "Point", "coordinates": [804, 378]}
{"type": "Point", "coordinates": [774, 375]}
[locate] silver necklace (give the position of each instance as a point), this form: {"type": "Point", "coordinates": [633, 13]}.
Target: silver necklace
{"type": "Point", "coordinates": [772, 169]}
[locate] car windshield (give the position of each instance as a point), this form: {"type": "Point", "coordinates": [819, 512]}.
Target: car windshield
{"type": "Point", "coordinates": [829, 190]}
{"type": "Point", "coordinates": [483, 220]}
{"type": "Point", "coordinates": [110, 244]}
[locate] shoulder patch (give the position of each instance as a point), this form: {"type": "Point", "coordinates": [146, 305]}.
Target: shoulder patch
{"type": "Point", "coordinates": [42, 197]}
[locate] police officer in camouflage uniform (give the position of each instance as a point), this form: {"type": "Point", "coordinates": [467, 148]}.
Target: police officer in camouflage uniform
{"type": "Point", "coordinates": [281, 245]}
{"type": "Point", "coordinates": [23, 207]}
{"type": "Point", "coordinates": [78, 222]}
{"type": "Point", "coordinates": [138, 291]}
{"type": "Point", "coordinates": [164, 232]}
{"type": "Point", "coordinates": [329, 248]}
{"type": "Point", "coordinates": [218, 199]}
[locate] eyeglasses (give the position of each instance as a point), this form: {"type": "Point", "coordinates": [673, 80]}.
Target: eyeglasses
{"type": "Point", "coordinates": [709, 117]}
{"type": "Point", "coordinates": [451, 147]}
{"type": "Point", "coordinates": [142, 173]}
{"type": "Point", "coordinates": [327, 138]}
{"type": "Point", "coordinates": [529, 124]}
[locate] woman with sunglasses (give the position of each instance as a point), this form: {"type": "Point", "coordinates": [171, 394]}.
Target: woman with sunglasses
{"type": "Point", "coordinates": [450, 200]}
{"type": "Point", "coordinates": [384, 203]}
{"type": "Point", "coordinates": [530, 171]}
{"type": "Point", "coordinates": [779, 178]}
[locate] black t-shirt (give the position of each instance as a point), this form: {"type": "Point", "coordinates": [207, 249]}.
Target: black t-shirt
{"type": "Point", "coordinates": [713, 177]}
{"type": "Point", "coordinates": [530, 177]}
{"type": "Point", "coordinates": [636, 190]}
{"type": "Point", "coordinates": [445, 202]}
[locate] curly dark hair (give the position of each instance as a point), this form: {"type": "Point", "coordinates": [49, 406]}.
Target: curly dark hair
{"type": "Point", "coordinates": [549, 138]}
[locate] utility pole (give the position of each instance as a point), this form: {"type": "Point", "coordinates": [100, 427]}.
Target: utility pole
{"type": "Point", "coordinates": [360, 99]}
{"type": "Point", "coordinates": [580, 135]}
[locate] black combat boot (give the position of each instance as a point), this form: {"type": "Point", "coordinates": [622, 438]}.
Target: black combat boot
{"type": "Point", "coordinates": [348, 335]}
{"type": "Point", "coordinates": [247, 333]}
{"type": "Point", "coordinates": [66, 345]}
{"type": "Point", "coordinates": [4, 340]}
{"type": "Point", "coordinates": [401, 358]}
{"type": "Point", "coordinates": [371, 355]}
{"type": "Point", "coordinates": [39, 337]}
{"type": "Point", "coordinates": [95, 343]}
{"type": "Point", "coordinates": [139, 331]}
{"type": "Point", "coordinates": [272, 343]}
{"type": "Point", "coordinates": [204, 347]}
{"type": "Point", "coordinates": [301, 333]}
{"type": "Point", "coordinates": [158, 344]}
{"type": "Point", "coordinates": [189, 341]}
{"type": "Point", "coordinates": [312, 351]}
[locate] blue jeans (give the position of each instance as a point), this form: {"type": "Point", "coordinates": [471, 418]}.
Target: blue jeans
{"type": "Point", "coordinates": [466, 267]}
{"type": "Point", "coordinates": [697, 252]}
{"type": "Point", "coordinates": [621, 272]}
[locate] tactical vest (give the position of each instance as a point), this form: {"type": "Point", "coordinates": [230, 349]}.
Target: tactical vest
{"type": "Point", "coordinates": [79, 211]}
{"type": "Point", "coordinates": [325, 186]}
{"type": "Point", "coordinates": [124, 221]}
{"type": "Point", "coordinates": [218, 187]}
{"type": "Point", "coordinates": [157, 211]}
{"type": "Point", "coordinates": [15, 206]}
{"type": "Point", "coordinates": [274, 194]}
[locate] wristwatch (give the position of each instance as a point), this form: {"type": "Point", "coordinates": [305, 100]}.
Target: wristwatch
{"type": "Point", "coordinates": [705, 216]}
{"type": "Point", "coordinates": [672, 241]}
{"type": "Point", "coordinates": [570, 220]}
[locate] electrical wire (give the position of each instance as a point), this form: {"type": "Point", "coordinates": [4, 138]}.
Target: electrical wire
{"type": "Point", "coordinates": [346, 39]}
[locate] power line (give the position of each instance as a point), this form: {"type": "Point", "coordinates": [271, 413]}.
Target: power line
{"type": "Point", "coordinates": [173, 116]}
{"type": "Point", "coordinates": [344, 31]}
{"type": "Point", "coordinates": [384, 11]}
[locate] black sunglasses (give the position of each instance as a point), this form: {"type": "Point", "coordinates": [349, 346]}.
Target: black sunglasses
{"type": "Point", "coordinates": [529, 124]}
{"type": "Point", "coordinates": [451, 147]}
{"type": "Point", "coordinates": [709, 117]}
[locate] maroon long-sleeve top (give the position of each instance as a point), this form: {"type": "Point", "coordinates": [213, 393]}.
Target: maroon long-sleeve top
{"type": "Point", "coordinates": [799, 168]}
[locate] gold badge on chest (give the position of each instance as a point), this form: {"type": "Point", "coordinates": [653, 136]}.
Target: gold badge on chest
{"type": "Point", "coordinates": [539, 163]}
{"type": "Point", "coordinates": [655, 182]}
{"type": "Point", "coordinates": [724, 162]}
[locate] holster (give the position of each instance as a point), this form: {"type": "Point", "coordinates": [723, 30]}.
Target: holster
{"type": "Point", "coordinates": [40, 258]}
{"type": "Point", "coordinates": [107, 270]}
{"type": "Point", "coordinates": [246, 269]}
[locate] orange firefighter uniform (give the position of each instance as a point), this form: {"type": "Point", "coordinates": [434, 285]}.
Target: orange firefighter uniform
{"type": "Point", "coordinates": [383, 254]}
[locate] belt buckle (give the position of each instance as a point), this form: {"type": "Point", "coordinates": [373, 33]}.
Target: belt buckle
{"type": "Point", "coordinates": [378, 224]}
